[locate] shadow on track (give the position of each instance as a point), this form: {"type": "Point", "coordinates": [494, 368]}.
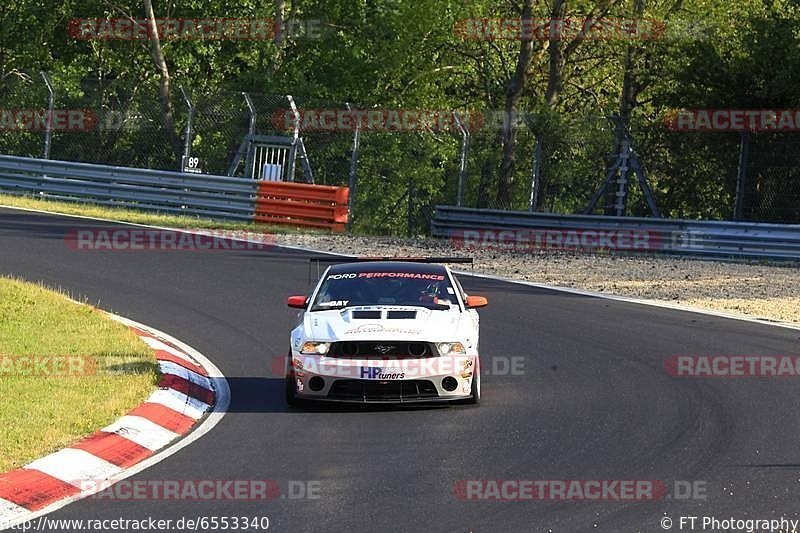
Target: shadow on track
{"type": "Point", "coordinates": [266, 395]}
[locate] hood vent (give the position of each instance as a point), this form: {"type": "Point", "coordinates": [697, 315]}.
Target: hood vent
{"type": "Point", "coordinates": [367, 314]}
{"type": "Point", "coordinates": [401, 314]}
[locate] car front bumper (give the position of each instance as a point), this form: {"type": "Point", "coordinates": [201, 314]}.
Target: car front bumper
{"type": "Point", "coordinates": [406, 380]}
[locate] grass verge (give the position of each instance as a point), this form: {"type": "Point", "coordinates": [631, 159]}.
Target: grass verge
{"type": "Point", "coordinates": [142, 217]}
{"type": "Point", "coordinates": [44, 408]}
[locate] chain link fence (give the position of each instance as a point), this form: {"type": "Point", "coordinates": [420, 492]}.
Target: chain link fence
{"type": "Point", "coordinates": [399, 175]}
{"type": "Point", "coordinates": [21, 92]}
{"type": "Point", "coordinates": [753, 176]}
{"type": "Point", "coordinates": [771, 177]}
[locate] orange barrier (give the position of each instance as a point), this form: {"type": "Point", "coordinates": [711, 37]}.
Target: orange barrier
{"type": "Point", "coordinates": [302, 204]}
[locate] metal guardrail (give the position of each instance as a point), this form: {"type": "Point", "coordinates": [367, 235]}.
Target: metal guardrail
{"type": "Point", "coordinates": [493, 228]}
{"type": "Point", "coordinates": [204, 195]}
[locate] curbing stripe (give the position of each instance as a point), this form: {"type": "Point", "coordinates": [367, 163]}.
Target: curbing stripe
{"type": "Point", "coordinates": [74, 466]}
{"type": "Point", "coordinates": [111, 447]}
{"type": "Point", "coordinates": [11, 510]}
{"type": "Point", "coordinates": [144, 437]}
{"type": "Point", "coordinates": [163, 356]}
{"type": "Point", "coordinates": [165, 417]}
{"type": "Point", "coordinates": [160, 346]}
{"type": "Point", "coordinates": [185, 386]}
{"type": "Point", "coordinates": [168, 367]}
{"type": "Point", "coordinates": [142, 431]}
{"type": "Point", "coordinates": [179, 402]}
{"type": "Point", "coordinates": [32, 489]}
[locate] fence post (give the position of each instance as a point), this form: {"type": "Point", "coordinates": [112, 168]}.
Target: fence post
{"type": "Point", "coordinates": [249, 163]}
{"type": "Point", "coordinates": [295, 136]}
{"type": "Point", "coordinates": [251, 129]}
{"type": "Point", "coordinates": [741, 174]}
{"type": "Point", "coordinates": [462, 169]}
{"type": "Point", "coordinates": [187, 143]}
{"type": "Point", "coordinates": [410, 217]}
{"type": "Point", "coordinates": [351, 183]}
{"type": "Point", "coordinates": [48, 133]}
{"type": "Point", "coordinates": [536, 174]}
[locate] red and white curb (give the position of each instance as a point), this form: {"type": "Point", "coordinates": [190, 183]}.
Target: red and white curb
{"type": "Point", "coordinates": [192, 398]}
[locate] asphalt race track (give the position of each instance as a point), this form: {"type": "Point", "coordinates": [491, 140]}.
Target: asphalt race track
{"type": "Point", "coordinates": [593, 402]}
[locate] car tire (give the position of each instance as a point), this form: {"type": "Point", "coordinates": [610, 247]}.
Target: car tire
{"type": "Point", "coordinates": [289, 386]}
{"type": "Point", "coordinates": [291, 399]}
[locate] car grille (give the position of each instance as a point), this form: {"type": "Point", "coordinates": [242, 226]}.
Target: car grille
{"type": "Point", "coordinates": [401, 314]}
{"type": "Point", "coordinates": [366, 314]}
{"type": "Point", "coordinates": [382, 349]}
{"type": "Point", "coordinates": [387, 391]}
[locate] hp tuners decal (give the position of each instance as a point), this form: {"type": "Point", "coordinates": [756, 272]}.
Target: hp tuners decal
{"type": "Point", "coordinates": [376, 372]}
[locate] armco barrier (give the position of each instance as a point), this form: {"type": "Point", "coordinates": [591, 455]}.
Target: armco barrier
{"type": "Point", "coordinates": [218, 197]}
{"type": "Point", "coordinates": [505, 229]}
{"type": "Point", "coordinates": [302, 204]}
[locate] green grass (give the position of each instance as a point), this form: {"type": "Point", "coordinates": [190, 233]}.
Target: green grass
{"type": "Point", "coordinates": [42, 412]}
{"type": "Point", "coordinates": [142, 217]}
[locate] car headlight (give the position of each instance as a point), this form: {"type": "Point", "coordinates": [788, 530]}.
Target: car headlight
{"type": "Point", "coordinates": [449, 348]}
{"type": "Point", "coordinates": [319, 348]}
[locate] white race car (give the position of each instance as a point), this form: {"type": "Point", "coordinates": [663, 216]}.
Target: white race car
{"type": "Point", "coordinates": [378, 331]}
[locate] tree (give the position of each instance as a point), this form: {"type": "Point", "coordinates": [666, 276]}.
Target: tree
{"type": "Point", "coordinates": [165, 91]}
{"type": "Point", "coordinates": [515, 87]}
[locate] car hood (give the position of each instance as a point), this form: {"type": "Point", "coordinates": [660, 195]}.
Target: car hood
{"type": "Point", "coordinates": [430, 325]}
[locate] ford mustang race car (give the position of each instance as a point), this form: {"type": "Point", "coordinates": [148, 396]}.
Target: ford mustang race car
{"type": "Point", "coordinates": [385, 331]}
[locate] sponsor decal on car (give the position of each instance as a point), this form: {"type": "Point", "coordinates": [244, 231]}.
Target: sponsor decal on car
{"type": "Point", "coordinates": [407, 275]}
{"type": "Point", "coordinates": [376, 372]}
{"type": "Point", "coordinates": [334, 303]}
{"type": "Point", "coordinates": [378, 328]}
{"type": "Point", "coordinates": [351, 275]}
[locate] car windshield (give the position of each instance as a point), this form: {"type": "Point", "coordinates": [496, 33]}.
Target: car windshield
{"type": "Point", "coordinates": [422, 289]}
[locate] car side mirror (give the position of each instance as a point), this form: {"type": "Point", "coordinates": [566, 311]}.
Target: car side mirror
{"type": "Point", "coordinates": [297, 302]}
{"type": "Point", "coordinates": [476, 301]}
